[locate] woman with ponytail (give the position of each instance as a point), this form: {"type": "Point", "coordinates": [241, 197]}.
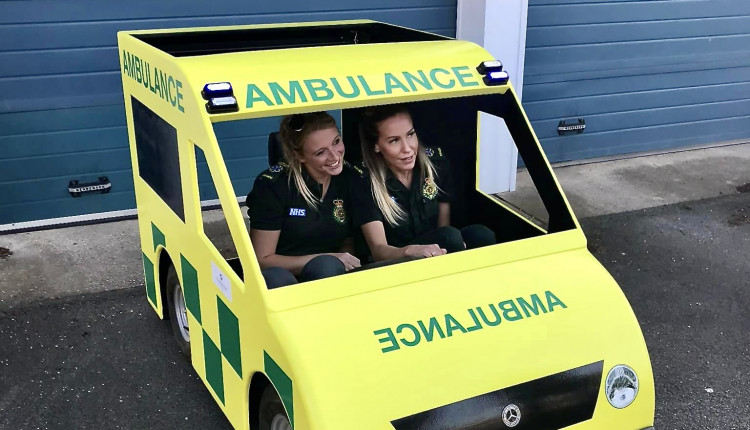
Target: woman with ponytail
{"type": "Point", "coordinates": [299, 209]}
{"type": "Point", "coordinates": [402, 201]}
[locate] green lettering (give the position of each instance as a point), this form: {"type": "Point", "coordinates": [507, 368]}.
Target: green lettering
{"type": "Point", "coordinates": [451, 324]}
{"type": "Point", "coordinates": [314, 86]}
{"type": "Point", "coordinates": [157, 86]}
{"type": "Point", "coordinates": [414, 330]}
{"type": "Point", "coordinates": [252, 90]}
{"type": "Point", "coordinates": [392, 82]}
{"type": "Point", "coordinates": [433, 75]}
{"type": "Point", "coordinates": [429, 333]}
{"type": "Point", "coordinates": [295, 89]}
{"type": "Point", "coordinates": [553, 301]}
{"type": "Point", "coordinates": [163, 86]}
{"type": "Point", "coordinates": [389, 338]}
{"type": "Point", "coordinates": [170, 85]}
{"type": "Point", "coordinates": [131, 65]}
{"type": "Point", "coordinates": [138, 76]}
{"type": "Point", "coordinates": [535, 301]}
{"type": "Point", "coordinates": [462, 76]}
{"type": "Point", "coordinates": [367, 89]}
{"type": "Point", "coordinates": [179, 97]}
{"type": "Point", "coordinates": [421, 80]}
{"type": "Point", "coordinates": [477, 325]}
{"type": "Point", "coordinates": [147, 82]}
{"type": "Point", "coordinates": [125, 56]}
{"type": "Point", "coordinates": [497, 320]}
{"type": "Point", "coordinates": [355, 89]}
{"type": "Point", "coordinates": [508, 307]}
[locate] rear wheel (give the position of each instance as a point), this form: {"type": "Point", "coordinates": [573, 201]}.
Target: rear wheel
{"type": "Point", "coordinates": [178, 312]}
{"type": "Point", "coordinates": [271, 413]}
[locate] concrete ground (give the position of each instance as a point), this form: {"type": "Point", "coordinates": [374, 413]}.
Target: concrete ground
{"type": "Point", "coordinates": [101, 257]}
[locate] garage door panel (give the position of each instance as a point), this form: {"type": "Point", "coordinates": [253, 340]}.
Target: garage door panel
{"type": "Point", "coordinates": [627, 84]}
{"type": "Point", "coordinates": [645, 138]}
{"type": "Point", "coordinates": [56, 189]}
{"type": "Point", "coordinates": [606, 12]}
{"type": "Point", "coordinates": [57, 120]}
{"type": "Point", "coordinates": [634, 31]}
{"type": "Point", "coordinates": [585, 106]}
{"type": "Point", "coordinates": [636, 52]}
{"type": "Point", "coordinates": [95, 34]}
{"type": "Point", "coordinates": [68, 206]}
{"type": "Point", "coordinates": [651, 117]}
{"type": "Point", "coordinates": [70, 60]}
{"type": "Point", "coordinates": [65, 165]}
{"type": "Point", "coordinates": [64, 142]}
{"type": "Point", "coordinates": [47, 92]}
{"type": "Point", "coordinates": [87, 10]}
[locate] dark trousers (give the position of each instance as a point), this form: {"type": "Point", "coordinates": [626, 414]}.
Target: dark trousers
{"type": "Point", "coordinates": [453, 239]}
{"type": "Point", "coordinates": [322, 266]}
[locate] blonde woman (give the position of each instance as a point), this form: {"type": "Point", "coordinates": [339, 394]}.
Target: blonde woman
{"type": "Point", "coordinates": [402, 201]}
{"type": "Point", "coordinates": [300, 222]}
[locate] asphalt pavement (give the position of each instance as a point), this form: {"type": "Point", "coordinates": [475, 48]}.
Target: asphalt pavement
{"type": "Point", "coordinates": [104, 360]}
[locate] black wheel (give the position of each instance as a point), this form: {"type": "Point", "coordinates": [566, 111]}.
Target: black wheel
{"type": "Point", "coordinates": [271, 413]}
{"type": "Point", "coordinates": [178, 312]}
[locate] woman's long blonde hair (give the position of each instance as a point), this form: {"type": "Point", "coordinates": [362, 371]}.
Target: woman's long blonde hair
{"type": "Point", "coordinates": [294, 129]}
{"type": "Point", "coordinates": [369, 122]}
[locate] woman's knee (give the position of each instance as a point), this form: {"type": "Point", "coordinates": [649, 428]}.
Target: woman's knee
{"type": "Point", "coordinates": [322, 266]}
{"type": "Point", "coordinates": [450, 238]}
{"type": "Point", "coordinates": [478, 235]}
{"type": "Point", "coordinates": [277, 277]}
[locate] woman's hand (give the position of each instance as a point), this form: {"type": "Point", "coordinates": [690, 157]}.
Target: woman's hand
{"type": "Point", "coordinates": [424, 250]}
{"type": "Point", "coordinates": [350, 261]}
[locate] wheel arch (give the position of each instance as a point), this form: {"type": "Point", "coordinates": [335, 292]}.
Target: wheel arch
{"type": "Point", "coordinates": [164, 263]}
{"type": "Point", "coordinates": [258, 384]}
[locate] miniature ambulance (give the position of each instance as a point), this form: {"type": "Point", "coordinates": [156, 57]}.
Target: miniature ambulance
{"type": "Point", "coordinates": [530, 333]}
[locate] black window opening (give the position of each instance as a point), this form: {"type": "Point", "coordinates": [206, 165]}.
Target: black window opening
{"type": "Point", "coordinates": [452, 125]}
{"type": "Point", "coordinates": [215, 226]}
{"type": "Point", "coordinates": [194, 43]}
{"type": "Point", "coordinates": [158, 158]}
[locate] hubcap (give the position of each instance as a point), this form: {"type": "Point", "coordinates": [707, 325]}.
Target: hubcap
{"type": "Point", "coordinates": [280, 422]}
{"type": "Point", "coordinates": [181, 312]}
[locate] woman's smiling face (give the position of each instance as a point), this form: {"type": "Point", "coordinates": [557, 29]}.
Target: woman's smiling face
{"type": "Point", "coordinates": [323, 153]}
{"type": "Point", "coordinates": [397, 142]}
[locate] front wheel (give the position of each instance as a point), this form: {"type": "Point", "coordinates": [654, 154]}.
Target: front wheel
{"type": "Point", "coordinates": [178, 312]}
{"type": "Point", "coordinates": [271, 412]}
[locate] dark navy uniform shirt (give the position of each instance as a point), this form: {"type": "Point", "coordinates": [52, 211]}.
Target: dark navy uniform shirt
{"type": "Point", "coordinates": [275, 204]}
{"type": "Point", "coordinates": [419, 201]}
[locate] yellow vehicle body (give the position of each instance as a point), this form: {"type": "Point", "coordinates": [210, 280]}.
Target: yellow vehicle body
{"type": "Point", "coordinates": [370, 349]}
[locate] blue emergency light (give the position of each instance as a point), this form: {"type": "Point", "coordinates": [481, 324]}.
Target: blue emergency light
{"type": "Point", "coordinates": [496, 78]}
{"type": "Point", "coordinates": [486, 67]}
{"type": "Point", "coordinates": [222, 105]}
{"type": "Point", "coordinates": [218, 89]}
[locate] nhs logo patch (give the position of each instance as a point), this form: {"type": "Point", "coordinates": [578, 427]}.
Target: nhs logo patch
{"type": "Point", "coordinates": [296, 212]}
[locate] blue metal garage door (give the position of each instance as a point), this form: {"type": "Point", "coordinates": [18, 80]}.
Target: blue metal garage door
{"type": "Point", "coordinates": [644, 75]}
{"type": "Point", "coordinates": [61, 105]}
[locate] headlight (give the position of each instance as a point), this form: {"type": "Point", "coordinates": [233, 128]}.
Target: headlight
{"type": "Point", "coordinates": [621, 386]}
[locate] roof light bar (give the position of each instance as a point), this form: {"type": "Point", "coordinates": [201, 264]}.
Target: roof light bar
{"type": "Point", "coordinates": [222, 105]}
{"type": "Point", "coordinates": [496, 78]}
{"type": "Point", "coordinates": [486, 67]}
{"type": "Point", "coordinates": [217, 89]}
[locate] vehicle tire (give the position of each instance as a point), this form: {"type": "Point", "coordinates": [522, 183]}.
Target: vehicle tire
{"type": "Point", "coordinates": [271, 414]}
{"type": "Point", "coordinates": [178, 311]}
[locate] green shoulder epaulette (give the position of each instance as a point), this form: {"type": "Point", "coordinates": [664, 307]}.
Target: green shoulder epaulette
{"type": "Point", "coordinates": [358, 168]}
{"type": "Point", "coordinates": [274, 172]}
{"type": "Point", "coordinates": [435, 153]}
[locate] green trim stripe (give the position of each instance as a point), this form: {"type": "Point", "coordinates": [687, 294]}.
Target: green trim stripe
{"type": "Point", "coordinates": [282, 382]}
{"type": "Point", "coordinates": [229, 334]}
{"type": "Point", "coordinates": [158, 237]}
{"type": "Point", "coordinates": [148, 270]}
{"type": "Point", "coordinates": [190, 288]}
{"type": "Point", "coordinates": [214, 372]}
